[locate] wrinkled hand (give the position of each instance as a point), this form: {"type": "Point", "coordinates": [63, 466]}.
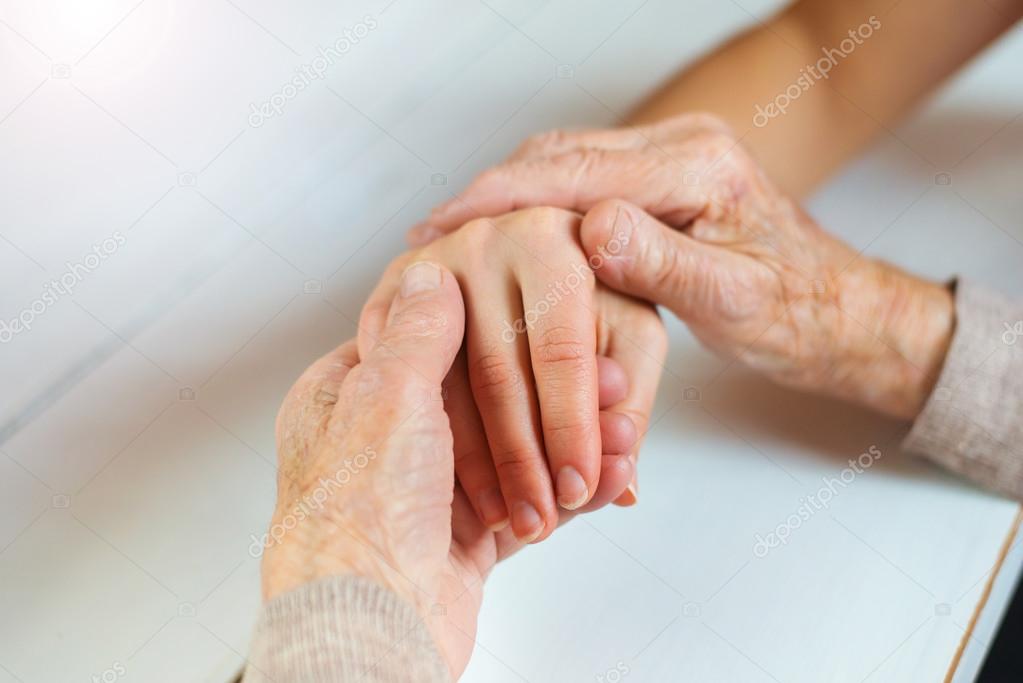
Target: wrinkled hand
{"type": "Point", "coordinates": [366, 471]}
{"type": "Point", "coordinates": [538, 417]}
{"type": "Point", "coordinates": [743, 265]}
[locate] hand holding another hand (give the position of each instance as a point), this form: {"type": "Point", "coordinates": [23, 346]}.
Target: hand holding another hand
{"type": "Point", "coordinates": [713, 240]}
{"type": "Point", "coordinates": [366, 482]}
{"type": "Point", "coordinates": [552, 392]}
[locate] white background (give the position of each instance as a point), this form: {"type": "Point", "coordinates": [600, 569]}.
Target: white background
{"type": "Point", "coordinates": [127, 512]}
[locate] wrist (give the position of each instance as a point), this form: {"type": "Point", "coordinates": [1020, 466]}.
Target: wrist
{"type": "Point", "coordinates": [899, 339]}
{"type": "Point", "coordinates": [316, 549]}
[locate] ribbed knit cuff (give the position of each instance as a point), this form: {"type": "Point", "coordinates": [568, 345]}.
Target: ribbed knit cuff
{"type": "Point", "coordinates": [972, 423]}
{"type": "Point", "coordinates": [342, 628]}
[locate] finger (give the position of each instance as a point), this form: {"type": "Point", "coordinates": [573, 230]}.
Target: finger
{"type": "Point", "coordinates": [420, 338]}
{"type": "Point", "coordinates": [575, 180]}
{"type": "Point", "coordinates": [618, 433]}
{"type": "Point", "coordinates": [374, 313]}
{"type": "Point", "coordinates": [468, 532]}
{"type": "Point", "coordinates": [668, 130]}
{"type": "Point", "coordinates": [555, 142]}
{"type": "Point", "coordinates": [312, 398]}
{"type": "Point", "coordinates": [474, 465]}
{"type": "Point", "coordinates": [503, 388]}
{"type": "Point", "coordinates": [632, 335]}
{"type": "Point", "coordinates": [634, 253]}
{"type": "Point", "coordinates": [561, 331]}
{"type": "Point", "coordinates": [612, 382]}
{"type": "Point", "coordinates": [616, 473]}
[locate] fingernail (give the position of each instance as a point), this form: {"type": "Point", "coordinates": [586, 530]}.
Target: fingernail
{"type": "Point", "coordinates": [628, 497]}
{"type": "Point", "coordinates": [634, 485]}
{"type": "Point", "coordinates": [631, 493]}
{"type": "Point", "coordinates": [526, 522]}
{"type": "Point", "coordinates": [420, 277]}
{"type": "Point", "coordinates": [572, 491]}
{"type": "Point", "coordinates": [492, 509]}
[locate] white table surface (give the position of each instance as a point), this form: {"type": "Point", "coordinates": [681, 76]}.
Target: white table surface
{"type": "Point", "coordinates": [128, 509]}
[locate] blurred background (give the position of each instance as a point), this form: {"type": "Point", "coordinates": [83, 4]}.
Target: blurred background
{"type": "Point", "coordinates": [183, 229]}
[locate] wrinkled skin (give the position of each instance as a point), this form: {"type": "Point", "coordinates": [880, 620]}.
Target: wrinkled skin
{"type": "Point", "coordinates": [388, 416]}
{"type": "Point", "coordinates": [398, 517]}
{"type": "Point", "coordinates": [526, 405]}
{"type": "Point", "coordinates": [755, 278]}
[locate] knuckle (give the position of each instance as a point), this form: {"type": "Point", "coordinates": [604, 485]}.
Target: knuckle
{"type": "Point", "coordinates": [492, 176]}
{"type": "Point", "coordinates": [560, 345]}
{"type": "Point", "coordinates": [725, 159]}
{"type": "Point", "coordinates": [539, 222]}
{"type": "Point", "coordinates": [494, 376]}
{"type": "Point", "coordinates": [478, 229]}
{"type": "Point", "coordinates": [707, 121]}
{"type": "Point", "coordinates": [520, 465]}
{"type": "Point", "coordinates": [552, 139]}
{"type": "Point", "coordinates": [418, 321]}
{"type": "Point", "coordinates": [667, 267]}
{"type": "Point", "coordinates": [570, 432]}
{"type": "Point", "coordinates": [546, 216]}
{"type": "Point", "coordinates": [468, 460]}
{"type": "Point", "coordinates": [718, 150]}
{"type": "Point", "coordinates": [388, 376]}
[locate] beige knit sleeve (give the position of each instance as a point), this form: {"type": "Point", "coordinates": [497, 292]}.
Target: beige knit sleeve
{"type": "Point", "coordinates": [972, 423]}
{"type": "Point", "coordinates": [342, 629]}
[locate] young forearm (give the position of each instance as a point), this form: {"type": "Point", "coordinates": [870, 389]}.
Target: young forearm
{"type": "Point", "coordinates": [897, 56]}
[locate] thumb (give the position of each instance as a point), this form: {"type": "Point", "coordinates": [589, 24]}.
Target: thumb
{"type": "Point", "coordinates": [633, 252]}
{"type": "Point", "coordinates": [421, 336]}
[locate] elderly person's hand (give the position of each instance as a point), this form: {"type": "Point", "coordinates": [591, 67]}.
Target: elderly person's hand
{"type": "Point", "coordinates": [366, 469]}
{"type": "Point", "coordinates": [714, 241]}
{"type": "Point", "coordinates": [366, 484]}
{"type": "Point", "coordinates": [538, 418]}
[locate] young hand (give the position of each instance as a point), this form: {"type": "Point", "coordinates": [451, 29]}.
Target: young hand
{"type": "Point", "coordinates": [536, 424]}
